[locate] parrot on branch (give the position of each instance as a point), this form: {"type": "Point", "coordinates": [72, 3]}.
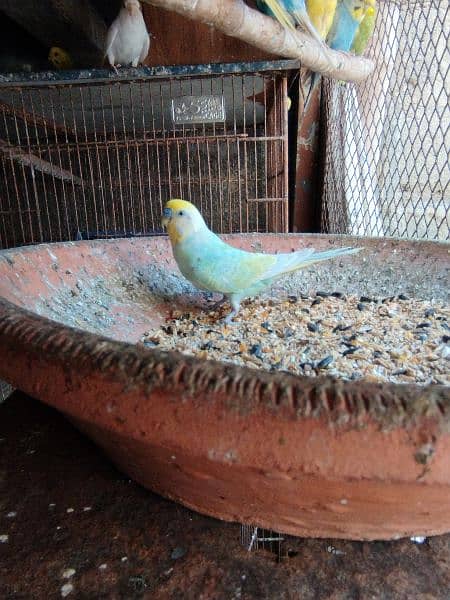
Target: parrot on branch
{"type": "Point", "coordinates": [289, 13]}
{"type": "Point", "coordinates": [212, 265]}
{"type": "Point", "coordinates": [352, 27]}
{"type": "Point", "coordinates": [347, 21]}
{"type": "Point", "coordinates": [365, 30]}
{"type": "Point", "coordinates": [127, 40]}
{"type": "Point", "coordinates": [321, 13]}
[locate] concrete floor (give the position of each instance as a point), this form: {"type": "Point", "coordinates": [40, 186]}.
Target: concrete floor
{"type": "Point", "coordinates": [72, 526]}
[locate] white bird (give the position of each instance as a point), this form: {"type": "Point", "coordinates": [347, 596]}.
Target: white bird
{"type": "Point", "coordinates": [128, 40]}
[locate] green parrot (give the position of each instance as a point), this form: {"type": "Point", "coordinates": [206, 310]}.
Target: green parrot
{"type": "Point", "coordinates": [365, 31]}
{"type": "Point", "coordinates": [211, 264]}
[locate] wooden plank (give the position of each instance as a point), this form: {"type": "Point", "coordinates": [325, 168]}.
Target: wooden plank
{"type": "Point", "coordinates": [305, 156]}
{"type": "Point", "coordinates": [177, 40]}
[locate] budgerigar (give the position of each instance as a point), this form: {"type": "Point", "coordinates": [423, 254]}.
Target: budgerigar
{"type": "Point", "coordinates": [321, 13]}
{"type": "Point", "coordinates": [211, 264]}
{"type": "Point", "coordinates": [59, 58]}
{"type": "Point", "coordinates": [348, 17]}
{"type": "Point", "coordinates": [289, 13]}
{"type": "Point", "coordinates": [127, 41]}
{"type": "Point", "coordinates": [365, 30]}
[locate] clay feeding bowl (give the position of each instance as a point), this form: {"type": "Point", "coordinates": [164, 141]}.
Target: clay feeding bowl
{"type": "Point", "coordinates": [307, 456]}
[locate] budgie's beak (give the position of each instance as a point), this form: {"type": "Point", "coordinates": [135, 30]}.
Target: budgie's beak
{"type": "Point", "coordinates": [167, 215]}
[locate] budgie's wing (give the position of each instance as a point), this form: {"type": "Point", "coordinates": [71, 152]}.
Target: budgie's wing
{"type": "Point", "coordinates": [234, 270]}
{"type": "Point", "coordinates": [301, 17]}
{"type": "Point", "coordinates": [110, 37]}
{"type": "Point", "coordinates": [280, 13]}
{"type": "Point", "coordinates": [289, 262]}
{"type": "Point", "coordinates": [145, 49]}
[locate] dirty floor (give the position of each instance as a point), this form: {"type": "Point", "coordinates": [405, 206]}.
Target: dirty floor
{"type": "Point", "coordinates": [72, 526]}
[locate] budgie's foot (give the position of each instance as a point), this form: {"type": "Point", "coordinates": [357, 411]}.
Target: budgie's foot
{"type": "Point", "coordinates": [235, 305]}
{"type": "Point", "coordinates": [228, 320]}
{"type": "Point", "coordinates": [115, 69]}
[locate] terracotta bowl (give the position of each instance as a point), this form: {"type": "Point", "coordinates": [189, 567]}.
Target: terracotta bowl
{"type": "Point", "coordinates": [310, 457]}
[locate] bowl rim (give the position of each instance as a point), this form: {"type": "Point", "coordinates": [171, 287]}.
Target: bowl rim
{"type": "Point", "coordinates": [339, 402]}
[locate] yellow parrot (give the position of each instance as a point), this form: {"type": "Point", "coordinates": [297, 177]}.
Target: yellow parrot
{"type": "Point", "coordinates": [321, 13]}
{"type": "Point", "coordinates": [59, 58]}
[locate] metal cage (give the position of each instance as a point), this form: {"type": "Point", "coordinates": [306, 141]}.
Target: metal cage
{"type": "Point", "coordinates": [98, 156]}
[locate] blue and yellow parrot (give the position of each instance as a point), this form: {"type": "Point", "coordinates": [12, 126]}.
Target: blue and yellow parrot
{"type": "Point", "coordinates": [212, 265]}
{"type": "Point", "coordinates": [289, 13]}
{"type": "Point", "coordinates": [347, 20]}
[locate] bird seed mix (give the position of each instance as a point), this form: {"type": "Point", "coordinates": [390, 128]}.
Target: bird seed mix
{"type": "Point", "coordinates": [396, 339]}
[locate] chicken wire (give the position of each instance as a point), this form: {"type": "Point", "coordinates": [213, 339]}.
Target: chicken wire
{"type": "Point", "coordinates": [99, 158]}
{"type": "Point", "coordinates": [387, 141]}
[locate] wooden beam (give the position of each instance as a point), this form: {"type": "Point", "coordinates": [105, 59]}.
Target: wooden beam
{"type": "Point", "coordinates": [305, 158]}
{"type": "Point", "coordinates": [235, 18]}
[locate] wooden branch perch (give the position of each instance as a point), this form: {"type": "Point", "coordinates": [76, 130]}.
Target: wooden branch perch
{"type": "Point", "coordinates": [34, 162]}
{"type": "Point", "coordinates": [37, 120]}
{"type": "Point", "coordinates": [236, 19]}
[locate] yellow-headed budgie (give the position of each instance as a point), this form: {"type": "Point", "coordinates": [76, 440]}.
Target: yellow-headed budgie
{"type": "Point", "coordinates": [59, 58]}
{"type": "Point", "coordinates": [127, 41]}
{"type": "Point", "coordinates": [211, 264]}
{"type": "Point", "coordinates": [365, 30]}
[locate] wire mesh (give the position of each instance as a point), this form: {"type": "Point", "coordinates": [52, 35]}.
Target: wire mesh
{"type": "Point", "coordinates": [387, 141]}
{"type": "Point", "coordinates": [100, 159]}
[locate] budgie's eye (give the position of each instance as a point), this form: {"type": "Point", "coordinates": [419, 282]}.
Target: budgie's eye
{"type": "Point", "coordinates": [181, 213]}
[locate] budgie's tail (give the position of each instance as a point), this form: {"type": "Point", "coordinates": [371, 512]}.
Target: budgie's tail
{"type": "Point", "coordinates": [295, 17]}
{"type": "Point", "coordinates": [304, 258]}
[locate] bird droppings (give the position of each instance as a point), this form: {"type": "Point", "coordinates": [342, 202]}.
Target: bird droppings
{"type": "Point", "coordinates": [68, 573]}
{"type": "Point", "coordinates": [87, 508]}
{"type": "Point", "coordinates": [66, 589]}
{"type": "Point", "coordinates": [70, 510]}
{"type": "Point", "coordinates": [4, 538]}
{"type": "Point", "coordinates": [52, 505]}
{"type": "Point", "coordinates": [103, 566]}
{"type": "Point", "coordinates": [385, 342]}
{"type": "Point", "coordinates": [11, 514]}
{"type": "Point", "coordinates": [335, 551]}
{"type": "Point", "coordinates": [124, 559]}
